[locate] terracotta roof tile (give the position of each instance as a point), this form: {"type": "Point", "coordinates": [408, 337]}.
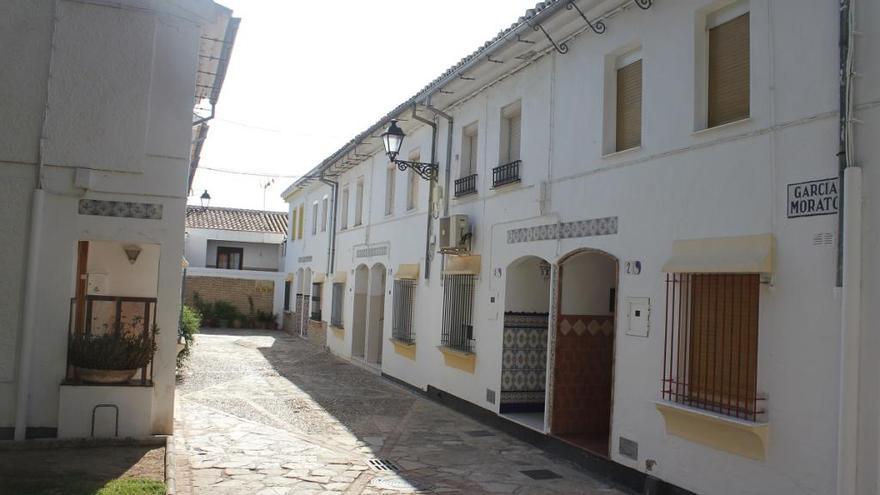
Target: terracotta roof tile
{"type": "Point", "coordinates": [236, 219]}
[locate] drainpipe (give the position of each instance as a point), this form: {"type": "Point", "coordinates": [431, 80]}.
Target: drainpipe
{"type": "Point", "coordinates": [849, 266]}
{"type": "Point", "coordinates": [430, 224]}
{"type": "Point", "coordinates": [448, 167]}
{"type": "Point", "coordinates": [331, 242]}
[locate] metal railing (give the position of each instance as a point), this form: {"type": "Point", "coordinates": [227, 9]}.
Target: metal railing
{"type": "Point", "coordinates": [336, 304]}
{"type": "Point", "coordinates": [402, 318]}
{"type": "Point", "coordinates": [102, 315]}
{"type": "Point", "coordinates": [315, 314]}
{"type": "Point", "coordinates": [710, 358]}
{"type": "Point", "coordinates": [506, 174]}
{"type": "Point", "coordinates": [466, 185]}
{"type": "Point", "coordinates": [458, 306]}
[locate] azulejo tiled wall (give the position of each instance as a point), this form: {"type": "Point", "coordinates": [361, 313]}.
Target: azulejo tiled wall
{"type": "Point", "coordinates": [564, 230]}
{"type": "Point", "coordinates": [524, 362]}
{"type": "Point", "coordinates": [124, 209]}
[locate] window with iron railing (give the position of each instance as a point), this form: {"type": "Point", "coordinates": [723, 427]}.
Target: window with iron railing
{"type": "Point", "coordinates": [466, 185]}
{"type": "Point", "coordinates": [316, 302]}
{"type": "Point", "coordinates": [710, 358]}
{"type": "Point", "coordinates": [336, 304]}
{"type": "Point", "coordinates": [506, 174]}
{"type": "Point", "coordinates": [402, 318]}
{"type": "Point", "coordinates": [458, 307]}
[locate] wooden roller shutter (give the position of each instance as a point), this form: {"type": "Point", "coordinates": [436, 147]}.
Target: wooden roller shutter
{"type": "Point", "coordinates": [729, 71]}
{"type": "Point", "coordinates": [629, 106]}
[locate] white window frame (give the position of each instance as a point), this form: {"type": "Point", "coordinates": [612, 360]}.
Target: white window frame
{"type": "Point", "coordinates": [506, 149]}
{"type": "Point", "coordinates": [470, 148]}
{"type": "Point", "coordinates": [315, 218]}
{"type": "Point", "coordinates": [614, 61]}
{"type": "Point", "coordinates": [343, 212]}
{"type": "Point", "coordinates": [390, 173]}
{"type": "Point", "coordinates": [412, 183]}
{"type": "Point", "coordinates": [359, 203]}
{"type": "Point", "coordinates": [325, 207]}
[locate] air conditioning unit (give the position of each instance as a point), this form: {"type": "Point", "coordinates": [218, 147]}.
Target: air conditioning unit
{"type": "Point", "coordinates": [455, 234]}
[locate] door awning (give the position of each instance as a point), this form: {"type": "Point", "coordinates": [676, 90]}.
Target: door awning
{"type": "Point", "coordinates": [340, 277]}
{"type": "Point", "coordinates": [407, 271]}
{"type": "Point", "coordinates": [462, 265]}
{"type": "Point", "coordinates": [289, 277]}
{"type": "Point", "coordinates": [318, 278]}
{"type": "Point", "coordinates": [742, 254]}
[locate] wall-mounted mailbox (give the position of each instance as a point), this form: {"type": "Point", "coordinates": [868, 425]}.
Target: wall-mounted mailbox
{"type": "Point", "coordinates": [638, 316]}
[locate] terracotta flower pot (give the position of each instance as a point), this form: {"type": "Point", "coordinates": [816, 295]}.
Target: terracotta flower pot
{"type": "Point", "coordinates": [104, 376]}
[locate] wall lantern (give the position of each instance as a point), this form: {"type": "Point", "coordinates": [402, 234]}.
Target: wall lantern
{"type": "Point", "coordinates": [205, 198]}
{"type": "Point", "coordinates": [392, 138]}
{"type": "Point", "coordinates": [132, 252]}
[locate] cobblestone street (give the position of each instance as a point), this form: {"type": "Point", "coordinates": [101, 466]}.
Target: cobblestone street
{"type": "Point", "coordinates": [269, 413]}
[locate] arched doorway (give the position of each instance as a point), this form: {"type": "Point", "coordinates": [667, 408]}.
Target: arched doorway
{"type": "Point", "coordinates": [584, 358]}
{"type": "Point", "coordinates": [306, 289]}
{"type": "Point", "coordinates": [359, 312]}
{"type": "Point", "coordinates": [376, 315]}
{"type": "Point", "coordinates": [524, 342]}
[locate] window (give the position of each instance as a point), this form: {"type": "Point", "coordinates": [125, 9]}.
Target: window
{"type": "Point", "coordinates": [314, 218]}
{"type": "Point", "coordinates": [458, 305]}
{"type": "Point", "coordinates": [302, 221]}
{"type": "Point", "coordinates": [511, 129]}
{"type": "Point", "coordinates": [728, 65]}
{"type": "Point", "coordinates": [359, 203]}
{"type": "Point", "coordinates": [230, 258]}
{"type": "Point", "coordinates": [287, 295]}
{"type": "Point", "coordinates": [402, 319]}
{"type": "Point", "coordinates": [628, 131]}
{"type": "Point", "coordinates": [316, 302]}
{"type": "Point", "coordinates": [325, 203]}
{"type": "Point", "coordinates": [469, 150]}
{"type": "Point", "coordinates": [343, 212]}
{"type": "Point", "coordinates": [336, 304]}
{"type": "Point", "coordinates": [711, 356]}
{"type": "Point", "coordinates": [389, 190]}
{"type": "Point", "coordinates": [293, 224]}
{"type": "Point", "coordinates": [412, 184]}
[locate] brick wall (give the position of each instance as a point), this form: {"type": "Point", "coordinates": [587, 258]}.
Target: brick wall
{"type": "Point", "coordinates": [233, 290]}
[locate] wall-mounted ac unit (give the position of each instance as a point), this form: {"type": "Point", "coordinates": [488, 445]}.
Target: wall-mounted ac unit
{"type": "Point", "coordinates": [455, 234]}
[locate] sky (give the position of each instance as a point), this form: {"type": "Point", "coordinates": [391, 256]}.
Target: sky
{"type": "Point", "coordinates": [307, 76]}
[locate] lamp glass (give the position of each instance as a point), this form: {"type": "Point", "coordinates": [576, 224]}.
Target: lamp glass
{"type": "Point", "coordinates": [205, 198]}
{"type": "Point", "coordinates": [393, 139]}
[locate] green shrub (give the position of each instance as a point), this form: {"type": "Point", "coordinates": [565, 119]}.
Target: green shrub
{"type": "Point", "coordinates": [190, 321]}
{"type": "Point", "coordinates": [113, 351]}
{"type": "Point", "coordinates": [224, 310]}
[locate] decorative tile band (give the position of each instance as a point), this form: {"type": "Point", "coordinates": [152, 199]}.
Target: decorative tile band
{"type": "Point", "coordinates": [304, 259]}
{"type": "Point", "coordinates": [369, 252]}
{"type": "Point", "coordinates": [122, 209]}
{"type": "Point", "coordinates": [564, 230]}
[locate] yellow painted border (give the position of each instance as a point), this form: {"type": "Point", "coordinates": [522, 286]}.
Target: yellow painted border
{"type": "Point", "coordinates": [730, 435]}
{"type": "Point", "coordinates": [339, 332]}
{"type": "Point", "coordinates": [405, 349]}
{"type": "Point", "coordinates": [464, 361]}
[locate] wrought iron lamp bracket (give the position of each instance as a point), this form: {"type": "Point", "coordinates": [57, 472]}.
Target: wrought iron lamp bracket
{"type": "Point", "coordinates": [599, 26]}
{"type": "Point", "coordinates": [427, 171]}
{"type": "Point", "coordinates": [560, 47]}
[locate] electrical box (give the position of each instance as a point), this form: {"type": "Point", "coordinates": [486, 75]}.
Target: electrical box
{"type": "Point", "coordinates": [455, 234]}
{"type": "Point", "coordinates": [97, 283]}
{"type": "Point", "coordinates": [638, 316]}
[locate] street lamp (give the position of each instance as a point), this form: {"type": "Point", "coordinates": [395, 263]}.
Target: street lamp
{"type": "Point", "coordinates": [393, 140]}
{"type": "Point", "coordinates": [205, 198]}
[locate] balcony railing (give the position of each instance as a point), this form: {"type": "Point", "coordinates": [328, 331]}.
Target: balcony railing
{"type": "Point", "coordinates": [466, 185]}
{"type": "Point", "coordinates": [101, 315]}
{"type": "Point", "coordinates": [506, 174]}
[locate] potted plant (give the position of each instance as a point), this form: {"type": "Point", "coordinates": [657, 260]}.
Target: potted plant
{"type": "Point", "coordinates": [112, 357]}
{"type": "Point", "coordinates": [225, 313]}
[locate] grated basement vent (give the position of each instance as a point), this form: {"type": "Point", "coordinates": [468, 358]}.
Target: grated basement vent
{"type": "Point", "coordinates": [383, 465]}
{"type": "Point", "coordinates": [480, 433]}
{"type": "Point", "coordinates": [541, 474]}
{"type": "Point", "coordinates": [823, 239]}
{"type": "Point", "coordinates": [628, 448]}
{"type": "Point", "coordinates": [490, 396]}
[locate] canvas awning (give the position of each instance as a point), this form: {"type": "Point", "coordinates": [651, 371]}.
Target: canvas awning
{"type": "Point", "coordinates": [407, 271]}
{"type": "Point", "coordinates": [462, 265]}
{"type": "Point", "coordinates": [742, 254]}
{"type": "Point", "coordinates": [318, 278]}
{"type": "Point", "coordinates": [340, 277]}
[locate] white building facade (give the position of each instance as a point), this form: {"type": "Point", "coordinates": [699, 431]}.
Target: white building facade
{"type": "Point", "coordinates": [651, 268]}
{"type": "Point", "coordinates": [95, 159]}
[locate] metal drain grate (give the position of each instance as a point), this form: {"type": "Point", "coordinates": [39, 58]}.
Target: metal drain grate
{"type": "Point", "coordinates": [541, 474]}
{"type": "Point", "coordinates": [383, 465]}
{"type": "Point", "coordinates": [480, 433]}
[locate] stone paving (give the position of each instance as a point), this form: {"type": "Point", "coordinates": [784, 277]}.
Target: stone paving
{"type": "Point", "coordinates": [261, 412]}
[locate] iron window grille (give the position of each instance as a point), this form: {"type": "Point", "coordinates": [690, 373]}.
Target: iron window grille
{"type": "Point", "coordinates": [316, 302]}
{"type": "Point", "coordinates": [336, 304]}
{"type": "Point", "coordinates": [506, 174]}
{"type": "Point", "coordinates": [458, 306]}
{"type": "Point", "coordinates": [466, 185]}
{"type": "Point", "coordinates": [287, 296]}
{"type": "Point", "coordinates": [710, 358]}
{"type": "Point", "coordinates": [402, 318]}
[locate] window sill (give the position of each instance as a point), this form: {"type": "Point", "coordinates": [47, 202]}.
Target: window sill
{"type": "Point", "coordinates": [615, 154]}
{"type": "Point", "coordinates": [405, 349]}
{"type": "Point", "coordinates": [740, 437]}
{"type": "Point", "coordinates": [460, 360]}
{"type": "Point", "coordinates": [338, 332]}
{"type": "Point", "coordinates": [735, 123]}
